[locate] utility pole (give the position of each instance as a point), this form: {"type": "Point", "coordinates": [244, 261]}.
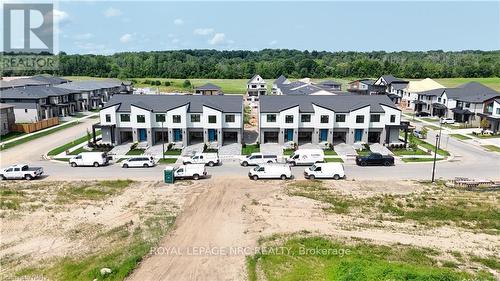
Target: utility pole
{"type": "Point", "coordinates": [162, 141]}
{"type": "Point", "coordinates": [435, 154]}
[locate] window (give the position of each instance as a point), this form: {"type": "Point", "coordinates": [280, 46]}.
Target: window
{"type": "Point", "coordinates": [324, 118]}
{"type": "Point", "coordinates": [254, 86]}
{"type": "Point", "coordinates": [212, 119]}
{"type": "Point", "coordinates": [340, 118]}
{"type": "Point", "coordinates": [176, 119]}
{"type": "Point", "coordinates": [25, 110]}
{"type": "Point", "coordinates": [498, 111]}
{"type": "Point", "coordinates": [305, 118]}
{"type": "Point", "coordinates": [108, 118]}
{"type": "Point", "coordinates": [439, 99]}
{"type": "Point", "coordinates": [289, 119]}
{"type": "Point", "coordinates": [467, 104]}
{"type": "Point", "coordinates": [393, 118]}
{"type": "Point", "coordinates": [125, 117]}
{"type": "Point", "coordinates": [375, 118]}
{"type": "Point", "coordinates": [360, 118]}
{"type": "Point", "coordinates": [444, 101]}
{"type": "Point", "coordinates": [195, 118]}
{"type": "Point", "coordinates": [230, 118]}
{"type": "Point", "coordinates": [160, 117]}
{"type": "Point", "coordinates": [141, 119]}
{"type": "Point", "coordinates": [271, 118]}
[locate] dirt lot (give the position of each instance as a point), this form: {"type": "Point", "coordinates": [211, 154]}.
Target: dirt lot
{"type": "Point", "coordinates": [220, 221]}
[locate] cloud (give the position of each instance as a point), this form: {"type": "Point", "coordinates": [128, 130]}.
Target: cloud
{"type": "Point", "coordinates": [203, 31]}
{"type": "Point", "coordinates": [59, 16]}
{"type": "Point", "coordinates": [84, 36]}
{"type": "Point", "coordinates": [178, 22]}
{"type": "Point", "coordinates": [112, 12]}
{"type": "Point", "coordinates": [127, 37]}
{"type": "Point", "coordinates": [218, 39]}
{"type": "Point", "coordinates": [272, 43]}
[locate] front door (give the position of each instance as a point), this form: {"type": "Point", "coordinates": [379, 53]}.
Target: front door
{"type": "Point", "coordinates": [358, 135]}
{"type": "Point", "coordinates": [177, 135]}
{"type": "Point", "coordinates": [323, 134]}
{"type": "Point", "coordinates": [142, 134]}
{"type": "Point", "coordinates": [289, 134]}
{"type": "Point", "coordinates": [211, 135]}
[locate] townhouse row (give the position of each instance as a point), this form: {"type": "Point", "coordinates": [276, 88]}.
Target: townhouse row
{"type": "Point", "coordinates": [188, 119]}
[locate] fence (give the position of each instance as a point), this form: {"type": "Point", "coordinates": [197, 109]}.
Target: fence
{"type": "Point", "coordinates": [36, 126]}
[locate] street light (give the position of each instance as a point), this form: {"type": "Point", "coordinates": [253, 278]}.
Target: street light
{"type": "Point", "coordinates": [435, 154]}
{"type": "Point", "coordinates": [162, 141]}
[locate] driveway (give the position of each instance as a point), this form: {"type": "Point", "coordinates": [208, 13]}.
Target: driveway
{"type": "Point", "coordinates": [345, 150]}
{"type": "Point", "coordinates": [121, 149]}
{"type": "Point", "coordinates": [192, 149]}
{"type": "Point", "coordinates": [230, 149]}
{"type": "Point", "coordinates": [378, 148]}
{"type": "Point", "coordinates": [271, 148]}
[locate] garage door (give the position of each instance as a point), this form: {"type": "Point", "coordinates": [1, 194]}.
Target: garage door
{"type": "Point", "coordinates": [270, 137]}
{"type": "Point", "coordinates": [230, 137]}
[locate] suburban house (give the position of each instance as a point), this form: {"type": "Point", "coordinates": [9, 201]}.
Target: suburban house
{"type": "Point", "coordinates": [256, 87]}
{"type": "Point", "coordinates": [208, 89]}
{"type": "Point", "coordinates": [492, 114]}
{"type": "Point", "coordinates": [329, 119]}
{"type": "Point", "coordinates": [393, 87]}
{"type": "Point", "coordinates": [36, 103]}
{"type": "Point", "coordinates": [282, 86]}
{"type": "Point", "coordinates": [410, 92]}
{"type": "Point", "coordinates": [7, 118]}
{"type": "Point", "coordinates": [179, 119]}
{"type": "Point", "coordinates": [462, 103]}
{"type": "Point", "coordinates": [278, 82]}
{"type": "Point", "coordinates": [329, 85]}
{"type": "Point", "coordinates": [365, 87]}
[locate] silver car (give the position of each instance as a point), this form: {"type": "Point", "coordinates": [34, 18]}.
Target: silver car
{"type": "Point", "coordinates": [139, 161]}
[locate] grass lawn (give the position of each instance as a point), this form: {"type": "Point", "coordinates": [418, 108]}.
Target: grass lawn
{"type": "Point", "coordinates": [429, 119]}
{"type": "Point", "coordinates": [135, 151]}
{"type": "Point", "coordinates": [288, 151]}
{"type": "Point", "coordinates": [432, 127]}
{"type": "Point", "coordinates": [412, 160]}
{"type": "Point", "coordinates": [319, 258]}
{"type": "Point", "coordinates": [249, 149]}
{"type": "Point", "coordinates": [431, 147]}
{"type": "Point", "coordinates": [11, 135]}
{"type": "Point", "coordinates": [37, 135]}
{"type": "Point", "coordinates": [64, 159]}
{"type": "Point", "coordinates": [485, 136]}
{"type": "Point", "coordinates": [492, 148]}
{"type": "Point", "coordinates": [338, 160]}
{"type": "Point", "coordinates": [173, 152]}
{"type": "Point", "coordinates": [402, 151]}
{"type": "Point", "coordinates": [167, 161]}
{"type": "Point", "coordinates": [71, 144]}
{"type": "Point", "coordinates": [330, 152]}
{"type": "Point", "coordinates": [77, 151]}
{"type": "Point", "coordinates": [460, 137]}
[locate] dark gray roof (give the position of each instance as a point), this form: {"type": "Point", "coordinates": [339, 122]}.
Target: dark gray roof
{"type": "Point", "coordinates": [364, 81]}
{"type": "Point", "coordinates": [391, 79]}
{"type": "Point", "coordinates": [280, 80]}
{"type": "Point", "coordinates": [51, 80]}
{"type": "Point", "coordinates": [90, 85]}
{"type": "Point", "coordinates": [337, 103]}
{"type": "Point", "coordinates": [33, 81]}
{"type": "Point", "coordinates": [5, 105]}
{"type": "Point", "coordinates": [208, 87]}
{"type": "Point", "coordinates": [433, 92]}
{"type": "Point", "coordinates": [163, 103]}
{"type": "Point", "coordinates": [399, 86]}
{"type": "Point", "coordinates": [470, 92]}
{"type": "Point", "coordinates": [329, 83]}
{"type": "Point", "coordinates": [33, 92]}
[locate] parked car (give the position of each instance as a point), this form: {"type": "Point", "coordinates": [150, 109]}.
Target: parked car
{"type": "Point", "coordinates": [421, 114]}
{"type": "Point", "coordinates": [271, 171]}
{"type": "Point", "coordinates": [95, 159]}
{"type": "Point", "coordinates": [306, 157]}
{"type": "Point", "coordinates": [418, 134]}
{"type": "Point", "coordinates": [192, 171]}
{"type": "Point", "coordinates": [447, 121]}
{"type": "Point", "coordinates": [209, 159]}
{"type": "Point", "coordinates": [325, 171]}
{"type": "Point", "coordinates": [258, 158]}
{"type": "Point", "coordinates": [142, 161]}
{"type": "Point", "coordinates": [22, 171]}
{"type": "Point", "coordinates": [375, 159]}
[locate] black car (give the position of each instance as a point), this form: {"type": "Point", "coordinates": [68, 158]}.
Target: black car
{"type": "Point", "coordinates": [375, 159]}
{"type": "Point", "coordinates": [421, 114]}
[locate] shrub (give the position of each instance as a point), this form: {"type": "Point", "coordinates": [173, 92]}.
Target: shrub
{"type": "Point", "coordinates": [167, 83]}
{"type": "Point", "coordinates": [205, 146]}
{"type": "Point", "coordinates": [257, 144]}
{"type": "Point", "coordinates": [133, 146]}
{"type": "Point", "coordinates": [243, 145]}
{"type": "Point", "coordinates": [157, 82]}
{"type": "Point", "coordinates": [186, 84]}
{"type": "Point", "coordinates": [169, 146]}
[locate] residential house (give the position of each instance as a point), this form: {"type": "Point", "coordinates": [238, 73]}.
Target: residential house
{"type": "Point", "coordinates": [365, 87]}
{"type": "Point", "coordinates": [410, 92]}
{"type": "Point", "coordinates": [7, 118]}
{"type": "Point", "coordinates": [329, 119]}
{"type": "Point", "coordinates": [393, 87]}
{"type": "Point", "coordinates": [208, 89]}
{"type": "Point", "coordinates": [462, 103]}
{"type": "Point", "coordinates": [282, 86]}
{"type": "Point", "coordinates": [492, 114]}
{"type": "Point", "coordinates": [93, 94]}
{"type": "Point", "coordinates": [180, 119]}
{"type": "Point", "coordinates": [329, 85]}
{"type": "Point", "coordinates": [256, 87]}
{"type": "Point", "coordinates": [278, 82]}
{"type": "Point", "coordinates": [36, 103]}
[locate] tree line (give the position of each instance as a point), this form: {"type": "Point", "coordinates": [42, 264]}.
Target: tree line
{"type": "Point", "coordinates": [270, 63]}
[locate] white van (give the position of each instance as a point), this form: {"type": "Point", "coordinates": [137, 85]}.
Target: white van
{"type": "Point", "coordinates": [192, 171]}
{"type": "Point", "coordinates": [140, 161]}
{"type": "Point", "coordinates": [95, 159]}
{"type": "Point", "coordinates": [325, 171]}
{"type": "Point", "coordinates": [209, 159]}
{"type": "Point", "coordinates": [257, 159]}
{"type": "Point", "coordinates": [306, 157]}
{"type": "Point", "coordinates": [271, 171]}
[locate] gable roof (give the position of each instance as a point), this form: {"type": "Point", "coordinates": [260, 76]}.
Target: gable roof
{"type": "Point", "coordinates": [423, 85]}
{"type": "Point", "coordinates": [253, 77]}
{"type": "Point", "coordinates": [336, 103]}
{"type": "Point", "coordinates": [280, 80]}
{"type": "Point", "coordinates": [163, 103]}
{"type": "Point", "coordinates": [472, 92]}
{"type": "Point", "coordinates": [389, 79]}
{"type": "Point", "coordinates": [208, 87]}
{"type": "Point", "coordinates": [34, 92]}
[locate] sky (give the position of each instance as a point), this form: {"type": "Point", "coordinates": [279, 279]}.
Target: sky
{"type": "Point", "coordinates": [100, 27]}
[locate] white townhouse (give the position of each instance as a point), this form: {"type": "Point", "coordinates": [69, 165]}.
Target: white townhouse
{"type": "Point", "coordinates": [462, 103]}
{"type": "Point", "coordinates": [256, 87]}
{"type": "Point", "coordinates": [329, 119]}
{"type": "Point", "coordinates": [180, 119]}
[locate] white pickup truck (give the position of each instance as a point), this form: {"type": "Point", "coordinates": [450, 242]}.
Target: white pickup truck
{"type": "Point", "coordinates": [209, 159]}
{"type": "Point", "coordinates": [257, 159]}
{"type": "Point", "coordinates": [21, 172]}
{"type": "Point", "coordinates": [192, 171]}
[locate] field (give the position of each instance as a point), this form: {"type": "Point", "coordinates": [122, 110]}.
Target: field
{"type": "Point", "coordinates": [237, 86]}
